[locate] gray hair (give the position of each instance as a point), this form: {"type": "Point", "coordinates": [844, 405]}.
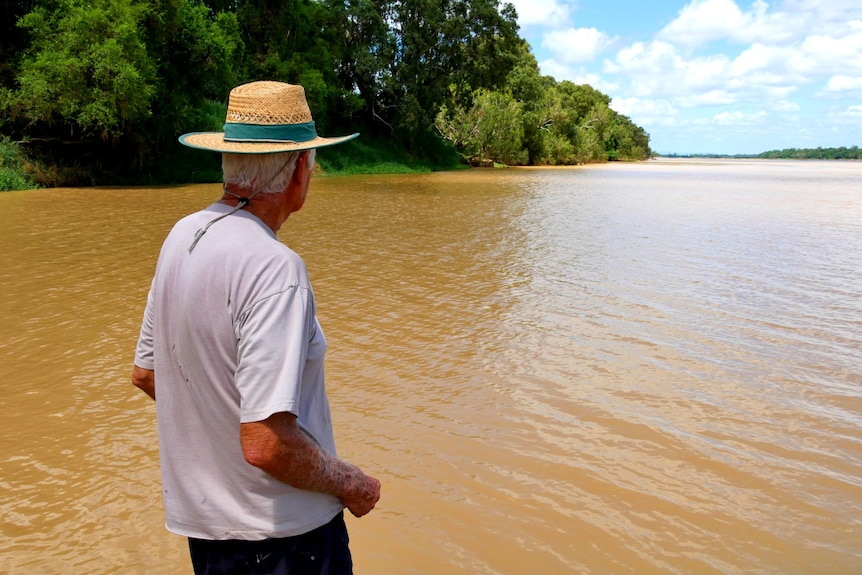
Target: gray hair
{"type": "Point", "coordinates": [264, 173]}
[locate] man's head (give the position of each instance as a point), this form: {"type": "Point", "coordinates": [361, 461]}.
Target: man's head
{"type": "Point", "coordinates": [267, 131]}
{"type": "Point", "coordinates": [264, 173]}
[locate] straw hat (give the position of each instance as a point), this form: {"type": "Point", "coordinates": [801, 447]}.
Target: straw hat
{"type": "Point", "coordinates": [264, 118]}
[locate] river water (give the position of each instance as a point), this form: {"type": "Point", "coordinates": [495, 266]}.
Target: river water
{"type": "Point", "coordinates": [627, 368]}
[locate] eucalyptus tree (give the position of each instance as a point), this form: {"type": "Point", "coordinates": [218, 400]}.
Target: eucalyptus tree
{"type": "Point", "coordinates": [490, 130]}
{"type": "Point", "coordinates": [13, 40]}
{"type": "Point", "coordinates": [403, 59]}
{"type": "Point", "coordinates": [363, 50]}
{"type": "Point", "coordinates": [446, 49]}
{"type": "Point", "coordinates": [109, 83]}
{"type": "Point", "coordinates": [87, 68]}
{"type": "Point", "coordinates": [293, 41]}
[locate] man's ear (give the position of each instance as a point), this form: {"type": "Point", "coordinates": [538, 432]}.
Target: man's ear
{"type": "Point", "coordinates": [301, 169]}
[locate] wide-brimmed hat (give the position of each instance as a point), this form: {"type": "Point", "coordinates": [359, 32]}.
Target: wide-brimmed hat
{"type": "Point", "coordinates": [264, 118]}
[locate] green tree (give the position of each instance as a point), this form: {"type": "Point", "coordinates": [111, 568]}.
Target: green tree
{"type": "Point", "coordinates": [490, 131]}
{"type": "Point", "coordinates": [441, 44]}
{"type": "Point", "coordinates": [539, 102]}
{"type": "Point", "coordinates": [87, 69]}
{"type": "Point", "coordinates": [198, 53]}
{"type": "Point", "coordinates": [625, 140]}
{"type": "Point", "coordinates": [841, 153]}
{"type": "Point", "coordinates": [363, 50]}
{"type": "Point", "coordinates": [13, 173]}
{"type": "Point", "coordinates": [13, 40]}
{"type": "Point", "coordinates": [295, 41]}
{"type": "Point", "coordinates": [108, 84]}
{"type": "Point", "coordinates": [105, 86]}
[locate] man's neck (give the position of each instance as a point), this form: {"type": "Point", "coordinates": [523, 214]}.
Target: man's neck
{"type": "Point", "coordinates": [263, 206]}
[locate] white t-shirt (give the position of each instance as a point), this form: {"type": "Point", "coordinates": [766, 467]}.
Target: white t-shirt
{"type": "Point", "coordinates": [231, 333]}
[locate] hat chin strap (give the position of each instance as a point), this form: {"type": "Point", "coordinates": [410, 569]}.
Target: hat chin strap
{"type": "Point", "coordinates": [242, 201]}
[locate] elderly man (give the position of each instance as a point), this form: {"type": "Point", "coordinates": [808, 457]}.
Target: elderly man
{"type": "Point", "coordinates": [231, 350]}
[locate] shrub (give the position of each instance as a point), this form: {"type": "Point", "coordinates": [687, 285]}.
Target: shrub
{"type": "Point", "coordinates": [13, 167]}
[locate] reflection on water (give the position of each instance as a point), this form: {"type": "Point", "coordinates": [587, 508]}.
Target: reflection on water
{"type": "Point", "coordinates": [647, 368]}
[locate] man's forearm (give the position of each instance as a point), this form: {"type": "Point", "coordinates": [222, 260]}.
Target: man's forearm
{"type": "Point", "coordinates": [279, 447]}
{"type": "Point", "coordinates": [282, 449]}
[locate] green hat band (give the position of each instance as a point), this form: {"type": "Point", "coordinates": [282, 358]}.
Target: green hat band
{"type": "Point", "coordinates": [235, 132]}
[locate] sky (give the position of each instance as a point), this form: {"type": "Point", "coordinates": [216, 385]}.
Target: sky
{"type": "Point", "coordinates": [712, 76]}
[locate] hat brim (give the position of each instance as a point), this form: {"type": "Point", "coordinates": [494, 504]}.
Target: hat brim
{"type": "Point", "coordinates": [215, 142]}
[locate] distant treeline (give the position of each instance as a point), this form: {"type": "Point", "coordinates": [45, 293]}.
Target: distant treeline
{"type": "Point", "coordinates": [97, 91]}
{"type": "Point", "coordinates": [842, 153]}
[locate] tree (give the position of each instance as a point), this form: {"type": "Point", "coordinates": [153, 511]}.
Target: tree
{"type": "Point", "coordinates": [539, 103]}
{"type": "Point", "coordinates": [107, 85]}
{"type": "Point", "coordinates": [440, 45]}
{"type": "Point", "coordinates": [112, 82]}
{"type": "Point", "coordinates": [294, 41]}
{"type": "Point", "coordinates": [87, 69]}
{"type": "Point", "coordinates": [198, 54]}
{"type": "Point", "coordinates": [626, 141]}
{"type": "Point", "coordinates": [13, 40]}
{"type": "Point", "coordinates": [365, 52]}
{"type": "Point", "coordinates": [490, 131]}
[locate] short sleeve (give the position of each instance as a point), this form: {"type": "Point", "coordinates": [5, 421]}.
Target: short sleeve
{"type": "Point", "coordinates": [144, 357]}
{"type": "Point", "coordinates": [274, 335]}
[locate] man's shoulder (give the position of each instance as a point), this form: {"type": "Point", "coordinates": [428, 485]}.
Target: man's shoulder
{"type": "Point", "coordinates": [238, 243]}
{"type": "Point", "coordinates": [260, 254]}
{"type": "Point", "coordinates": [276, 259]}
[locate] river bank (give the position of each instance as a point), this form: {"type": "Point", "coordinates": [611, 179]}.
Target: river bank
{"type": "Point", "coordinates": [366, 155]}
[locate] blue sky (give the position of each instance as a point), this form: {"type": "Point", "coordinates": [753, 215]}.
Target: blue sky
{"type": "Point", "coordinates": [712, 76]}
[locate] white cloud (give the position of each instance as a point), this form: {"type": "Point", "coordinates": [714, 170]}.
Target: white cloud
{"type": "Point", "coordinates": [850, 119]}
{"type": "Point", "coordinates": [658, 70]}
{"type": "Point", "coordinates": [842, 84]}
{"type": "Point", "coordinates": [839, 52]}
{"type": "Point", "coordinates": [576, 45]}
{"type": "Point", "coordinates": [739, 118]}
{"type": "Point", "coordinates": [760, 57]}
{"type": "Point", "coordinates": [760, 73]}
{"type": "Point", "coordinates": [744, 70]}
{"type": "Point", "coordinates": [709, 98]}
{"type": "Point", "coordinates": [557, 71]}
{"type": "Point", "coordinates": [644, 58]}
{"type": "Point", "coordinates": [854, 112]}
{"type": "Point", "coordinates": [578, 75]}
{"type": "Point", "coordinates": [649, 112]}
{"type": "Point", "coordinates": [541, 12]}
{"type": "Point", "coordinates": [822, 15]}
{"type": "Point", "coordinates": [705, 21]}
{"type": "Point", "coordinates": [783, 106]}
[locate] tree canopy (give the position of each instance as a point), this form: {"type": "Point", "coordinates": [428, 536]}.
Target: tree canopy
{"type": "Point", "coordinates": [100, 89]}
{"type": "Point", "coordinates": [842, 153]}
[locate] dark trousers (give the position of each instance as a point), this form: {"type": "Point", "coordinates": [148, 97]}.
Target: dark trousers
{"type": "Point", "coordinates": [323, 551]}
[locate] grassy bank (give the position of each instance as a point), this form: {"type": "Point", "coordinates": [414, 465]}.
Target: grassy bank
{"type": "Point", "coordinates": [182, 165]}
{"type": "Point", "coordinates": [15, 171]}
{"type": "Point", "coordinates": [369, 156]}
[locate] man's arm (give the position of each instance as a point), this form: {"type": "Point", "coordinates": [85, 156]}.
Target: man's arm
{"type": "Point", "coordinates": [145, 380]}
{"type": "Point", "coordinates": [278, 446]}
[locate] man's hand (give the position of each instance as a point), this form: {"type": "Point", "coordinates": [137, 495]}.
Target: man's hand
{"type": "Point", "coordinates": [362, 495]}
{"type": "Point", "coordinates": [145, 380]}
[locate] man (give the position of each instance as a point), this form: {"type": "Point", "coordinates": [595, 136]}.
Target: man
{"type": "Point", "coordinates": [231, 350]}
